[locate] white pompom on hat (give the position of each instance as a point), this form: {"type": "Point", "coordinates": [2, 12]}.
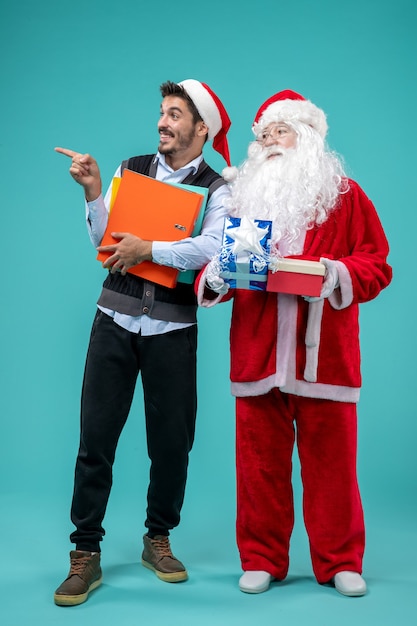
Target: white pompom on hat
{"type": "Point", "coordinates": [286, 106]}
{"type": "Point", "coordinates": [230, 173]}
{"type": "Point", "coordinates": [212, 112]}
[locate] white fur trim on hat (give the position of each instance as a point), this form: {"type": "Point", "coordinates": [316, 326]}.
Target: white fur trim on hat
{"type": "Point", "coordinates": [293, 110]}
{"type": "Point", "coordinates": [205, 105]}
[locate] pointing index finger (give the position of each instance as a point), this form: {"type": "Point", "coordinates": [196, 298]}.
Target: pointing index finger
{"type": "Point", "coordinates": [68, 153]}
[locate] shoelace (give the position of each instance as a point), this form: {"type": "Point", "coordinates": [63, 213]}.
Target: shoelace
{"type": "Point", "coordinates": [78, 565]}
{"type": "Point", "coordinates": [162, 547]}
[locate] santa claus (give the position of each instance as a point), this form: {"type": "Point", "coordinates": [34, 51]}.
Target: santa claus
{"type": "Point", "coordinates": [295, 361]}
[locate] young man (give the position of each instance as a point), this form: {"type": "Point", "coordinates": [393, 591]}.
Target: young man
{"type": "Point", "coordinates": [144, 327]}
{"type": "Point", "coordinates": [295, 361]}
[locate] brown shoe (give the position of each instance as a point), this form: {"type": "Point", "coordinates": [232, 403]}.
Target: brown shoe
{"type": "Point", "coordinates": [84, 576]}
{"type": "Point", "coordinates": [158, 557]}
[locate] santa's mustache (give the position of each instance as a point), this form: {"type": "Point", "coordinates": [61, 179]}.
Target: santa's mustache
{"type": "Point", "coordinates": [260, 154]}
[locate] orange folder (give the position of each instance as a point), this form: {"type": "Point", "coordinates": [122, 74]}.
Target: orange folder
{"type": "Point", "coordinates": [151, 210]}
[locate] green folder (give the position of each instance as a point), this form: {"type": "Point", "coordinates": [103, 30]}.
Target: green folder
{"type": "Point", "coordinates": [188, 275]}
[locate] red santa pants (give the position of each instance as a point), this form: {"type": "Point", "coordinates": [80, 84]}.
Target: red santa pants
{"type": "Point", "coordinates": [326, 435]}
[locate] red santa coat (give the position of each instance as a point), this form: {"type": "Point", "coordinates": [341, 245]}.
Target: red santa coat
{"type": "Point", "coordinates": [311, 349]}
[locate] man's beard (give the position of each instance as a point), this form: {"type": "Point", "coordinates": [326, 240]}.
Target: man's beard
{"type": "Point", "coordinates": [182, 142]}
{"type": "Point", "coordinates": [293, 188]}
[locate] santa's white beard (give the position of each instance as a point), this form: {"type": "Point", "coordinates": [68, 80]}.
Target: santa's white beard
{"type": "Point", "coordinates": [294, 189]}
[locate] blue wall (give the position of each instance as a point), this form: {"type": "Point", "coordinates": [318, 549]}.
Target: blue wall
{"type": "Point", "coordinates": [86, 76]}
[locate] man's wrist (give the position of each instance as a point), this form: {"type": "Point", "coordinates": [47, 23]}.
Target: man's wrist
{"type": "Point", "coordinates": [145, 251]}
{"type": "Point", "coordinates": [148, 252]}
{"type": "Point", "coordinates": [92, 194]}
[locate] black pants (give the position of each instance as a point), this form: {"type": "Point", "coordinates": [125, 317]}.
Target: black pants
{"type": "Point", "coordinates": [167, 364]}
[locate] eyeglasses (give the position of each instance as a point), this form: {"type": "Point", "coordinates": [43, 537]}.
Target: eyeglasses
{"type": "Point", "coordinates": [275, 132]}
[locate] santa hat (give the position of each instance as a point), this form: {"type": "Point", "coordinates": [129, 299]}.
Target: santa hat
{"type": "Point", "coordinates": [284, 106]}
{"type": "Point", "coordinates": [287, 106]}
{"type": "Point", "coordinates": [212, 112]}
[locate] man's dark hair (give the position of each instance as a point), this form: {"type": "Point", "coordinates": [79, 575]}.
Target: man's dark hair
{"type": "Point", "coordinates": [173, 89]}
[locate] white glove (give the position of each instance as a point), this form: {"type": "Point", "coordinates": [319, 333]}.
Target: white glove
{"type": "Point", "coordinates": [330, 282]}
{"type": "Point", "coordinates": [213, 279]}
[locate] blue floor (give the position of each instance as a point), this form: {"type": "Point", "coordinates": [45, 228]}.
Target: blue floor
{"type": "Point", "coordinates": [35, 560]}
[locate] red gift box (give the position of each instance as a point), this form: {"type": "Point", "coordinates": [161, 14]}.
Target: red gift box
{"type": "Point", "coordinates": [297, 276]}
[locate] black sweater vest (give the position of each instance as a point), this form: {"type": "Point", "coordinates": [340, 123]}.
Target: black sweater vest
{"type": "Point", "coordinates": [134, 296]}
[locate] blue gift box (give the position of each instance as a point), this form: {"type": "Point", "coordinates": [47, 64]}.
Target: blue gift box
{"type": "Point", "coordinates": [244, 255]}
